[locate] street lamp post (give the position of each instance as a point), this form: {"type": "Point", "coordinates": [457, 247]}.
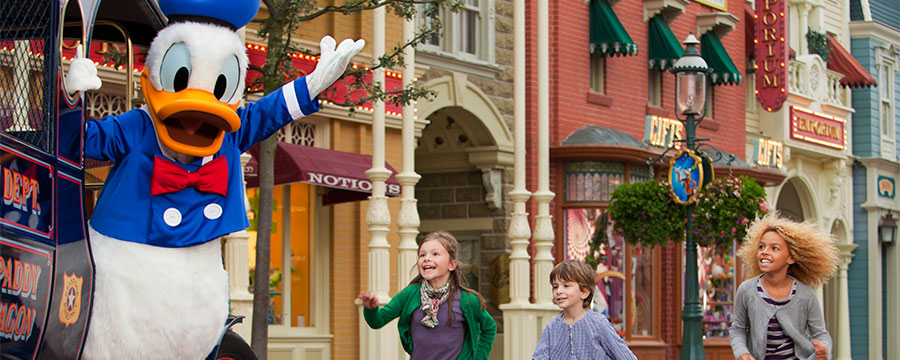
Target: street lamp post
{"type": "Point", "coordinates": [690, 102]}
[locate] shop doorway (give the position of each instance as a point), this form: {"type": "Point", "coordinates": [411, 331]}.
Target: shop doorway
{"type": "Point", "coordinates": [794, 201]}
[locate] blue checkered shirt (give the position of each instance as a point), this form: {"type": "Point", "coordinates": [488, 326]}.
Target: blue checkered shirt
{"type": "Point", "coordinates": [591, 338]}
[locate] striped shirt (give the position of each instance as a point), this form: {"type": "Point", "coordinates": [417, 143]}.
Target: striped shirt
{"type": "Point", "coordinates": [779, 346]}
{"type": "Point", "coordinates": [591, 338]}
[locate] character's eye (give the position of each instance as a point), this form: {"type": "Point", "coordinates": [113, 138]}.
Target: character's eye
{"type": "Point", "coordinates": [227, 80]}
{"type": "Point", "coordinates": [175, 70]}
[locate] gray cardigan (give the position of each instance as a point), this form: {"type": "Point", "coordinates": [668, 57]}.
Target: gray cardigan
{"type": "Point", "coordinates": [801, 314]}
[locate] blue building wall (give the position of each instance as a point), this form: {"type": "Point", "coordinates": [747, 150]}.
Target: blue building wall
{"type": "Point", "coordinates": [856, 10]}
{"type": "Point", "coordinates": [895, 107]}
{"type": "Point", "coordinates": [866, 143]}
{"type": "Point", "coordinates": [886, 12]}
{"type": "Point", "coordinates": [857, 273]}
{"type": "Point", "coordinates": [865, 124]}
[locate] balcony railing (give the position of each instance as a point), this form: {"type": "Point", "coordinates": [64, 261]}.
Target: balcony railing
{"type": "Point", "coordinates": [809, 77]}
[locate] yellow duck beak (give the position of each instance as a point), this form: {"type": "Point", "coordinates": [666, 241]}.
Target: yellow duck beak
{"type": "Point", "coordinates": [190, 121]}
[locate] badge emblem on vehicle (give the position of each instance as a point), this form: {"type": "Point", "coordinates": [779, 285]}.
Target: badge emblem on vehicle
{"type": "Point", "coordinates": [70, 303]}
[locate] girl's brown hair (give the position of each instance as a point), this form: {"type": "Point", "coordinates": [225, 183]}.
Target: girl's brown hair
{"type": "Point", "coordinates": [816, 258]}
{"type": "Point", "coordinates": [578, 272]}
{"type": "Point", "coordinates": [452, 246]}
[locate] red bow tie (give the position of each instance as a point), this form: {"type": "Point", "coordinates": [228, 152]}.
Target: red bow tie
{"type": "Point", "coordinates": [169, 177]}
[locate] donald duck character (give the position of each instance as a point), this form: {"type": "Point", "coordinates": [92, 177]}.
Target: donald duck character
{"type": "Point", "coordinates": [160, 290]}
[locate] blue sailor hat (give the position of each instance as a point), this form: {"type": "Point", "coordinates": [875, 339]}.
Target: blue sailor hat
{"type": "Point", "coordinates": [233, 13]}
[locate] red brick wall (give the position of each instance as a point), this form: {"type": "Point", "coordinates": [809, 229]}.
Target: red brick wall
{"type": "Point", "coordinates": [626, 84]}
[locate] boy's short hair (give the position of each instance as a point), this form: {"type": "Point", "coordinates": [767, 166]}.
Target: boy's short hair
{"type": "Point", "coordinates": [578, 272]}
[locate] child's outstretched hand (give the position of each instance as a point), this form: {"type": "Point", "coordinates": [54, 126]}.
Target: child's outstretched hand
{"type": "Point", "coordinates": [368, 300]}
{"type": "Point", "coordinates": [821, 350]}
{"type": "Point", "coordinates": [747, 357]}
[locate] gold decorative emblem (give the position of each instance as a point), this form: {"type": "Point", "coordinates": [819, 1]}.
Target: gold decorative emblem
{"type": "Point", "coordinates": [70, 302]}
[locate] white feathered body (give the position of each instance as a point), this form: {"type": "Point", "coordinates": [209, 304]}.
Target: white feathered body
{"type": "Point", "coordinates": [156, 303]}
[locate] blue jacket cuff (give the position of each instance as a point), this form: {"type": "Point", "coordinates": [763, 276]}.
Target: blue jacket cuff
{"type": "Point", "coordinates": [307, 105]}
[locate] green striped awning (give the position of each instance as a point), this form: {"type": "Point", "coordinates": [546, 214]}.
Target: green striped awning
{"type": "Point", "coordinates": [608, 36]}
{"type": "Point", "coordinates": [664, 47]}
{"type": "Point", "coordinates": [722, 69]}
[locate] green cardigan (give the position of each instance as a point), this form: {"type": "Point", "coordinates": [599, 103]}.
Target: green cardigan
{"type": "Point", "coordinates": [481, 327]}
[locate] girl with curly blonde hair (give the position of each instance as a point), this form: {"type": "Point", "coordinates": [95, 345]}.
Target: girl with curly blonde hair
{"type": "Point", "coordinates": [777, 314]}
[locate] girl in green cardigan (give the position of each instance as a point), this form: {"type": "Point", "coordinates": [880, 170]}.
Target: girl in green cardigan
{"type": "Point", "coordinates": [440, 319]}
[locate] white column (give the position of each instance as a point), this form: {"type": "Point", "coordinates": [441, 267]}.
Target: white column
{"type": "Point", "coordinates": [841, 350]}
{"type": "Point", "coordinates": [893, 291]}
{"type": "Point", "coordinates": [519, 229]}
{"type": "Point", "coordinates": [803, 12]}
{"type": "Point", "coordinates": [408, 220]}
{"type": "Point", "coordinates": [874, 284]}
{"type": "Point", "coordinates": [543, 227]}
{"type": "Point", "coordinates": [382, 343]}
{"type": "Point", "coordinates": [237, 264]}
{"type": "Point", "coordinates": [522, 320]}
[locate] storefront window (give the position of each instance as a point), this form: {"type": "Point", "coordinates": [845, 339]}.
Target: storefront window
{"type": "Point", "coordinates": [717, 287]}
{"type": "Point", "coordinates": [609, 294]}
{"type": "Point", "coordinates": [642, 283]}
{"type": "Point", "coordinates": [291, 249]}
{"type": "Point", "coordinates": [592, 181]}
{"type": "Point", "coordinates": [625, 282]}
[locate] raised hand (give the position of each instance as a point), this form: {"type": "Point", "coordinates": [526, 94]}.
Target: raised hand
{"type": "Point", "coordinates": [368, 300]}
{"type": "Point", "coordinates": [82, 74]}
{"type": "Point", "coordinates": [332, 63]}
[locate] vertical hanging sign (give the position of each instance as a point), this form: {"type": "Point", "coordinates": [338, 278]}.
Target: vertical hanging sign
{"type": "Point", "coordinates": [771, 53]}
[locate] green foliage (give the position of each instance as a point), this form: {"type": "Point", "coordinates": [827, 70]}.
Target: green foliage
{"type": "Point", "coordinates": [818, 44]}
{"type": "Point", "coordinates": [645, 214]}
{"type": "Point", "coordinates": [285, 19]}
{"type": "Point", "coordinates": [115, 56]}
{"type": "Point", "coordinates": [724, 209]}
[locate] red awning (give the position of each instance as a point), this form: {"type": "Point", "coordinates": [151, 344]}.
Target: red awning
{"type": "Point", "coordinates": [840, 60]}
{"type": "Point", "coordinates": [341, 172]}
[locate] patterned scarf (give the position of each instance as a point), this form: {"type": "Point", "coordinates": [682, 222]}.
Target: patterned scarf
{"type": "Point", "coordinates": [431, 301]}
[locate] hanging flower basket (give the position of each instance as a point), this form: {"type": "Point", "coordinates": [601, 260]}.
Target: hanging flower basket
{"type": "Point", "coordinates": [644, 213]}
{"type": "Point", "coordinates": [724, 209]}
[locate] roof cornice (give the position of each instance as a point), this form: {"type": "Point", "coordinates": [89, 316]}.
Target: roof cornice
{"type": "Point", "coordinates": [876, 30]}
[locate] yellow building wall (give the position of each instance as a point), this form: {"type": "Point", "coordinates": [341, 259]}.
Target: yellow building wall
{"type": "Point", "coordinates": [340, 26]}
{"type": "Point", "coordinates": [349, 232]}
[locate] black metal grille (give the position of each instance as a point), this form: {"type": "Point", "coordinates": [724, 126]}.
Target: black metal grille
{"type": "Point", "coordinates": [26, 51]}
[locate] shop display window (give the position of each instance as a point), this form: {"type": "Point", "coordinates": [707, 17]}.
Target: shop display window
{"type": "Point", "coordinates": [609, 294]}
{"type": "Point", "coordinates": [718, 280]}
{"type": "Point", "coordinates": [626, 278]}
{"type": "Point", "coordinates": [290, 256]}
{"type": "Point", "coordinates": [717, 286]}
{"type": "Point", "coordinates": [588, 181]}
{"type": "Point", "coordinates": [642, 283]}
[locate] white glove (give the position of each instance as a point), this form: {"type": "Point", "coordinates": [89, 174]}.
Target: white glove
{"type": "Point", "coordinates": [332, 63]}
{"type": "Point", "coordinates": [82, 74]}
